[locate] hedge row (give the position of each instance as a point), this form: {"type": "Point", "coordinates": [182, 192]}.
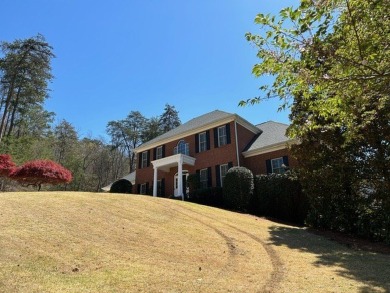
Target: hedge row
{"type": "Point", "coordinates": [276, 196]}
{"type": "Point", "coordinates": [280, 197]}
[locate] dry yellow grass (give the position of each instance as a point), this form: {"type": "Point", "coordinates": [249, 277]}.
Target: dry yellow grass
{"type": "Point", "coordinates": [88, 242]}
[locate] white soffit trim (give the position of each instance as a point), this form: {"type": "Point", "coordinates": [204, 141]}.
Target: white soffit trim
{"type": "Point", "coordinates": [268, 149]}
{"type": "Point", "coordinates": [165, 164]}
{"type": "Point", "coordinates": [244, 123]}
{"type": "Point", "coordinates": [214, 124]}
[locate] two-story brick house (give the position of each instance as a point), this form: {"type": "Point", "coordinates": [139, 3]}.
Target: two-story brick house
{"type": "Point", "coordinates": [209, 145]}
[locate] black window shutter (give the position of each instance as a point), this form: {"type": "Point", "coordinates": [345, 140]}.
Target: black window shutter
{"type": "Point", "coordinates": [162, 192]}
{"type": "Point", "coordinates": [139, 188]}
{"type": "Point", "coordinates": [197, 143]}
{"type": "Point", "coordinates": [268, 165]}
{"type": "Point", "coordinates": [155, 153]}
{"type": "Point", "coordinates": [215, 137]}
{"type": "Point", "coordinates": [139, 160]}
{"type": "Point", "coordinates": [228, 137]}
{"type": "Point", "coordinates": [208, 139]}
{"type": "Point", "coordinates": [209, 182]}
{"type": "Point", "coordinates": [163, 151]}
{"type": "Point", "coordinates": [147, 188]}
{"type": "Point", "coordinates": [148, 157]}
{"type": "Point", "coordinates": [285, 160]}
{"type": "Point", "coordinates": [230, 164]}
{"type": "Point", "coordinates": [218, 175]}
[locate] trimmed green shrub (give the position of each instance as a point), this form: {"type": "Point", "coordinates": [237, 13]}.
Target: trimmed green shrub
{"type": "Point", "coordinates": [121, 186]}
{"type": "Point", "coordinates": [238, 188]}
{"type": "Point", "coordinates": [193, 183]}
{"type": "Point", "coordinates": [279, 196]}
{"type": "Point", "coordinates": [211, 196]}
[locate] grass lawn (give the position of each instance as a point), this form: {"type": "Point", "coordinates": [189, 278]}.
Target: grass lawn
{"type": "Point", "coordinates": [90, 242]}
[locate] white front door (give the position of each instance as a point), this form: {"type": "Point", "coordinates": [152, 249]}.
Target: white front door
{"type": "Point", "coordinates": [185, 185]}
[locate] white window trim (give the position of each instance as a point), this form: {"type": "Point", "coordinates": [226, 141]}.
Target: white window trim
{"type": "Point", "coordinates": [159, 153]}
{"type": "Point", "coordinates": [202, 143]}
{"type": "Point", "coordinates": [205, 171]}
{"type": "Point", "coordinates": [144, 160]}
{"type": "Point", "coordinates": [220, 172]}
{"type": "Point", "coordinates": [143, 188]}
{"type": "Point", "coordinates": [186, 148]}
{"type": "Point", "coordinates": [279, 168]}
{"type": "Point", "coordinates": [224, 136]}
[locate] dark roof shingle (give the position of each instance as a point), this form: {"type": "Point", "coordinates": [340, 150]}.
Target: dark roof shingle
{"type": "Point", "coordinates": [192, 124]}
{"type": "Point", "coordinates": [272, 133]}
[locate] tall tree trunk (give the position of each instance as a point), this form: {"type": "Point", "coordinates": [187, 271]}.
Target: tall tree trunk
{"type": "Point", "coordinates": [6, 107]}
{"type": "Point", "coordinates": [11, 93]}
{"type": "Point", "coordinates": [12, 120]}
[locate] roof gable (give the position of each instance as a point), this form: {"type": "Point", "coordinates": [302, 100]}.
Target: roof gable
{"type": "Point", "coordinates": [198, 124]}
{"type": "Point", "coordinates": [272, 134]}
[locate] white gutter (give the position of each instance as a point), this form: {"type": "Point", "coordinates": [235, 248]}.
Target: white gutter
{"type": "Point", "coordinates": [270, 148]}
{"type": "Point", "coordinates": [234, 117]}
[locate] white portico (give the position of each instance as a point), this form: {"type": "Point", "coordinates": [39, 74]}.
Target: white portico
{"type": "Point", "coordinates": [165, 164]}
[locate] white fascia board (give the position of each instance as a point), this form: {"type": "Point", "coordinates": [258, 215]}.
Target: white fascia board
{"type": "Point", "coordinates": [244, 123]}
{"type": "Point", "coordinates": [269, 148]}
{"type": "Point", "coordinates": [214, 124]}
{"type": "Point", "coordinates": [166, 163]}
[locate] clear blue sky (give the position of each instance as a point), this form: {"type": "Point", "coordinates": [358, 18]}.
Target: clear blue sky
{"type": "Point", "coordinates": [116, 56]}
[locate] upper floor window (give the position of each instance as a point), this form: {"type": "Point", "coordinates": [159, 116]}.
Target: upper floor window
{"type": "Point", "coordinates": [202, 142]}
{"type": "Point", "coordinates": [222, 137]}
{"type": "Point", "coordinates": [182, 148]}
{"type": "Point", "coordinates": [144, 159]}
{"type": "Point", "coordinates": [159, 152]}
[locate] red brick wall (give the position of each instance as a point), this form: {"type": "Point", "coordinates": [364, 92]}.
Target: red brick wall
{"type": "Point", "coordinates": [209, 158]}
{"type": "Point", "coordinates": [257, 164]}
{"type": "Point", "coordinates": [244, 137]}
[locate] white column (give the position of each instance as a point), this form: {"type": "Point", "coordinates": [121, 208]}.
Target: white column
{"type": "Point", "coordinates": [180, 177]}
{"type": "Point", "coordinates": [155, 181]}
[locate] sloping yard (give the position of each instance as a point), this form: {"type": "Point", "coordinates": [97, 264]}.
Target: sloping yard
{"type": "Point", "coordinates": [88, 242]}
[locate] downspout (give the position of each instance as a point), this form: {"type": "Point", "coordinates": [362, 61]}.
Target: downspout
{"type": "Point", "coordinates": [238, 155]}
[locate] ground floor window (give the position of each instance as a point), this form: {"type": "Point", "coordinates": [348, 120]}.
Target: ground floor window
{"type": "Point", "coordinates": [143, 189]}
{"type": "Point", "coordinates": [277, 166]}
{"type": "Point", "coordinates": [223, 170]}
{"type": "Point", "coordinates": [203, 178]}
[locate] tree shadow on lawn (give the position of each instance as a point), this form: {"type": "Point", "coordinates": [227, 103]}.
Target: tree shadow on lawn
{"type": "Point", "coordinates": [372, 269]}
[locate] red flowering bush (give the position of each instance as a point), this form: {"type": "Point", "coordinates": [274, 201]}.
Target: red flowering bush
{"type": "Point", "coordinates": [40, 172]}
{"type": "Point", "coordinates": [6, 165]}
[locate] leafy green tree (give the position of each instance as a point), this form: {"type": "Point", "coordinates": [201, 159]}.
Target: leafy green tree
{"type": "Point", "coordinates": [66, 150]}
{"type": "Point", "coordinates": [330, 62]}
{"type": "Point", "coordinates": [127, 134]}
{"type": "Point", "coordinates": [169, 119]}
{"type": "Point", "coordinates": [25, 72]}
{"type": "Point", "coordinates": [66, 138]}
{"type": "Point", "coordinates": [152, 129]}
{"type": "Point", "coordinates": [31, 120]}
